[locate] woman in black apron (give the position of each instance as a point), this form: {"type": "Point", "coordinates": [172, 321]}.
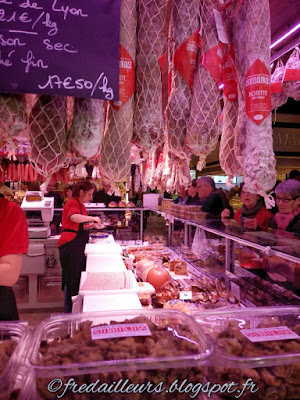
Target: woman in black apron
{"type": "Point", "coordinates": [76, 224]}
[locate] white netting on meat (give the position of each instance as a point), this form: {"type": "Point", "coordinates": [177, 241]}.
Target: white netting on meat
{"type": "Point", "coordinates": [86, 133]}
{"type": "Point", "coordinates": [114, 160]}
{"type": "Point", "coordinates": [180, 174]}
{"type": "Point", "coordinates": [228, 161]}
{"type": "Point", "coordinates": [183, 23]}
{"type": "Point", "coordinates": [291, 81]}
{"type": "Point", "coordinates": [259, 158]}
{"type": "Point", "coordinates": [202, 129]}
{"type": "Point", "coordinates": [47, 136]}
{"type": "Point", "coordinates": [151, 44]}
{"type": "Point", "coordinates": [278, 97]}
{"type": "Point", "coordinates": [13, 118]}
{"type": "Point", "coordinates": [239, 43]}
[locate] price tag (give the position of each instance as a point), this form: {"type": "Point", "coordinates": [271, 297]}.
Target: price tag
{"type": "Point", "coordinates": [119, 330]}
{"type": "Point", "coordinates": [220, 27]}
{"type": "Point", "coordinates": [269, 334]}
{"type": "Point", "coordinates": [185, 295]}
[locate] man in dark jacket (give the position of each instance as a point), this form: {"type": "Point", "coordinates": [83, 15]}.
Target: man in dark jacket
{"type": "Point", "coordinates": [210, 201]}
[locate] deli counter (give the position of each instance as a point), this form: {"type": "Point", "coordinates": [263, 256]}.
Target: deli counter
{"type": "Point", "coordinates": [259, 268]}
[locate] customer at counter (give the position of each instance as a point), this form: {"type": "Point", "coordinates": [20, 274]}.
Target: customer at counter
{"type": "Point", "coordinates": [102, 196]}
{"type": "Point", "coordinates": [75, 235]}
{"type": "Point", "coordinates": [253, 213]}
{"type": "Point", "coordinates": [192, 194]}
{"type": "Point", "coordinates": [210, 201]}
{"type": "Point", "coordinates": [183, 196]}
{"type": "Point", "coordinates": [13, 244]}
{"type": "Point", "coordinates": [288, 202]}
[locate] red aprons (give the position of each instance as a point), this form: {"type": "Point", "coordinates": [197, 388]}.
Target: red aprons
{"type": "Point", "coordinates": [13, 229]}
{"type": "Point", "coordinates": [71, 207]}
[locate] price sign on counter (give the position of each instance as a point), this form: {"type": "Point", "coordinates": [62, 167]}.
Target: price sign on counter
{"type": "Point", "coordinates": [60, 47]}
{"type": "Point", "coordinates": [185, 295]}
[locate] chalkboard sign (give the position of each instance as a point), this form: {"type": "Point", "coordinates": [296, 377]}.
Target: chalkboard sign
{"type": "Point", "coordinates": [64, 47]}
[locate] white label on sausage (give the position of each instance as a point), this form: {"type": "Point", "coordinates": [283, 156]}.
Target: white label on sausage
{"type": "Point", "coordinates": [269, 334]}
{"type": "Point", "coordinates": [220, 27]}
{"type": "Point", "coordinates": [119, 330]}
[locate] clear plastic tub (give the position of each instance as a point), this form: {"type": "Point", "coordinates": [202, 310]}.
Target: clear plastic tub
{"type": "Point", "coordinates": [260, 346]}
{"type": "Point", "coordinates": [13, 345]}
{"type": "Point", "coordinates": [62, 348]}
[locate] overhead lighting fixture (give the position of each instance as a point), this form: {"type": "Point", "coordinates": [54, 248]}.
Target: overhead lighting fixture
{"type": "Point", "coordinates": [289, 33]}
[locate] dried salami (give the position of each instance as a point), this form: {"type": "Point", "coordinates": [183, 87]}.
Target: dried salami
{"type": "Point", "coordinates": [151, 44]}
{"type": "Point", "coordinates": [114, 160]}
{"type": "Point", "coordinates": [182, 54]}
{"type": "Point", "coordinates": [259, 158]}
{"type": "Point", "coordinates": [203, 130]}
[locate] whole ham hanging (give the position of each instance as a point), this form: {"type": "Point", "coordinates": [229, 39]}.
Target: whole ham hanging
{"type": "Point", "coordinates": [114, 160]}
{"type": "Point", "coordinates": [183, 52]}
{"type": "Point", "coordinates": [86, 132]}
{"type": "Point", "coordinates": [259, 164]}
{"type": "Point", "coordinates": [48, 131]}
{"type": "Point", "coordinates": [203, 130]}
{"type": "Point", "coordinates": [151, 44]}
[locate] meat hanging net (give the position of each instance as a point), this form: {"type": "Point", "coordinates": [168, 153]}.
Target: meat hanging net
{"type": "Point", "coordinates": [259, 164]}
{"type": "Point", "coordinates": [183, 27]}
{"type": "Point", "coordinates": [228, 160]}
{"type": "Point", "coordinates": [48, 129]}
{"type": "Point", "coordinates": [202, 130]}
{"type": "Point", "coordinates": [291, 81]}
{"type": "Point", "coordinates": [151, 44]}
{"type": "Point", "coordinates": [278, 97]}
{"type": "Point", "coordinates": [13, 119]}
{"type": "Point", "coordinates": [114, 160]}
{"type": "Point", "coordinates": [86, 132]}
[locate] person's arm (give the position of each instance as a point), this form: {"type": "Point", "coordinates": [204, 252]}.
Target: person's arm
{"type": "Point", "coordinates": [79, 219]}
{"type": "Point", "coordinates": [10, 268]}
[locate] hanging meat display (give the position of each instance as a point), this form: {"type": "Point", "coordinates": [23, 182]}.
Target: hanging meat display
{"type": "Point", "coordinates": [86, 132]}
{"type": "Point", "coordinates": [48, 131]}
{"type": "Point", "coordinates": [114, 160]}
{"type": "Point", "coordinates": [259, 158]}
{"type": "Point", "coordinates": [183, 52]}
{"type": "Point", "coordinates": [202, 130]}
{"type": "Point", "coordinates": [227, 157]}
{"type": "Point", "coordinates": [291, 79]}
{"type": "Point", "coordinates": [278, 97]}
{"type": "Point", "coordinates": [151, 44]}
{"type": "Point", "coordinates": [13, 118]}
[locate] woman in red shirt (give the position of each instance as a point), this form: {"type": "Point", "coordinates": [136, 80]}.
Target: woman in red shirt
{"type": "Point", "coordinates": [75, 235]}
{"type": "Point", "coordinates": [253, 214]}
{"type": "Point", "coordinates": [13, 244]}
